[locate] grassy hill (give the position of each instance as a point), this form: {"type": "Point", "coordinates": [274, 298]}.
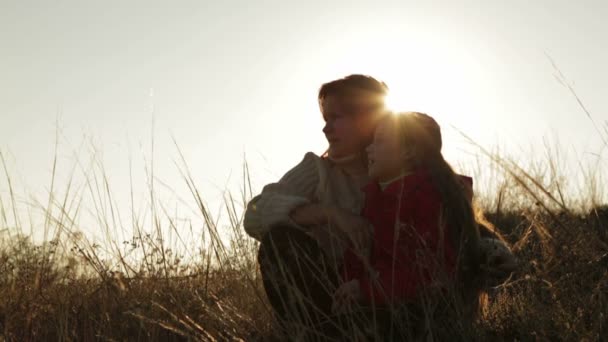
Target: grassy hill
{"type": "Point", "coordinates": [69, 288]}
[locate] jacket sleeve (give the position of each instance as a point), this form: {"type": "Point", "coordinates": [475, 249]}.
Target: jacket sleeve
{"type": "Point", "coordinates": [273, 206]}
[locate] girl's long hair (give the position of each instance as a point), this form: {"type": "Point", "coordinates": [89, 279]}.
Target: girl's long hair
{"type": "Point", "coordinates": [420, 133]}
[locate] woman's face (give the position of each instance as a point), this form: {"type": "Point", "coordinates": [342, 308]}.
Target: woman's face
{"type": "Point", "coordinates": [387, 157]}
{"type": "Point", "coordinates": [350, 122]}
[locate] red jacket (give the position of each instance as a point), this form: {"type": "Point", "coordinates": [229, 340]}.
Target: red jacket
{"type": "Point", "coordinates": [417, 250]}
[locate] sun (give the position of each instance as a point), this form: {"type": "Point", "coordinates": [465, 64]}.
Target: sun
{"type": "Point", "coordinates": [395, 103]}
{"type": "Point", "coordinates": [423, 73]}
{"type": "Point", "coordinates": [442, 79]}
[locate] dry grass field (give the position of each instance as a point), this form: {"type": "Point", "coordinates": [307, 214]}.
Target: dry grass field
{"type": "Point", "coordinates": [68, 288]}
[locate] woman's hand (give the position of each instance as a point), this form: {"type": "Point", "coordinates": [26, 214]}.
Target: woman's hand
{"type": "Point", "coordinates": [355, 227]}
{"type": "Point", "coordinates": [345, 296]}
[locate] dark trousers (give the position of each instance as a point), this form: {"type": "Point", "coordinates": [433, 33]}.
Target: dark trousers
{"type": "Point", "coordinates": [298, 279]}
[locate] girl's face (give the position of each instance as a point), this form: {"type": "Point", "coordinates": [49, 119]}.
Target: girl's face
{"type": "Point", "coordinates": [349, 123]}
{"type": "Point", "coordinates": [387, 156]}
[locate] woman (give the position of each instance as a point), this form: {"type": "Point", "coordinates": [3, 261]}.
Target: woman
{"type": "Point", "coordinates": [305, 220]}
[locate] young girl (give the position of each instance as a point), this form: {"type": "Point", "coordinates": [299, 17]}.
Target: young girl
{"type": "Point", "coordinates": [424, 231]}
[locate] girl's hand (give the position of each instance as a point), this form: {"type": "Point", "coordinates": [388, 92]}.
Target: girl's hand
{"type": "Point", "coordinates": [355, 227]}
{"type": "Point", "coordinates": [346, 296]}
{"type": "Point", "coordinates": [499, 262]}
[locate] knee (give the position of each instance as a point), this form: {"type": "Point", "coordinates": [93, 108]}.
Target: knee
{"type": "Point", "coordinates": [281, 237]}
{"type": "Point", "coordinates": [276, 243]}
{"type": "Point", "coordinates": [276, 237]}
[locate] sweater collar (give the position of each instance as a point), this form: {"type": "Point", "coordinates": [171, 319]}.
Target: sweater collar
{"type": "Point", "coordinates": [354, 164]}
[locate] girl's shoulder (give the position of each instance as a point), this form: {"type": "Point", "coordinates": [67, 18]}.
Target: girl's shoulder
{"type": "Point", "coordinates": [465, 180]}
{"type": "Point", "coordinates": [423, 177]}
{"type": "Point", "coordinates": [423, 184]}
{"type": "Point", "coordinates": [419, 189]}
{"type": "Point", "coordinates": [407, 185]}
{"type": "Point", "coordinates": [420, 179]}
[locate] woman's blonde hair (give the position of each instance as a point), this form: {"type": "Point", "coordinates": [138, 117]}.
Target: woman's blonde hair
{"type": "Point", "coordinates": [355, 85]}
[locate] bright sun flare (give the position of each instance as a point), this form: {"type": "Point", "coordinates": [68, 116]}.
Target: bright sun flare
{"type": "Point", "coordinates": [442, 79]}
{"type": "Point", "coordinates": [423, 74]}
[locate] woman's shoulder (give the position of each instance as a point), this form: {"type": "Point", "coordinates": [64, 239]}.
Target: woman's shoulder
{"type": "Point", "coordinates": [312, 160]}
{"type": "Point", "coordinates": [311, 156]}
{"type": "Point", "coordinates": [320, 162]}
{"type": "Point", "coordinates": [309, 167]}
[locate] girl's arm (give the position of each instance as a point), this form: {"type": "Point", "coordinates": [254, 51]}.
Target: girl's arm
{"type": "Point", "coordinates": [499, 262]}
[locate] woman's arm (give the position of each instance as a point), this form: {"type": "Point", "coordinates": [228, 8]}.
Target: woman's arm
{"type": "Point", "coordinates": [277, 201]}
{"type": "Point", "coordinates": [311, 214]}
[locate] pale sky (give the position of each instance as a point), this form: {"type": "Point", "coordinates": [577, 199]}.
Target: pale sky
{"type": "Point", "coordinates": [235, 78]}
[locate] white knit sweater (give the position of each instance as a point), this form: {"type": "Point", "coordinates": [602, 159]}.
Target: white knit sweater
{"type": "Point", "coordinates": [313, 180]}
